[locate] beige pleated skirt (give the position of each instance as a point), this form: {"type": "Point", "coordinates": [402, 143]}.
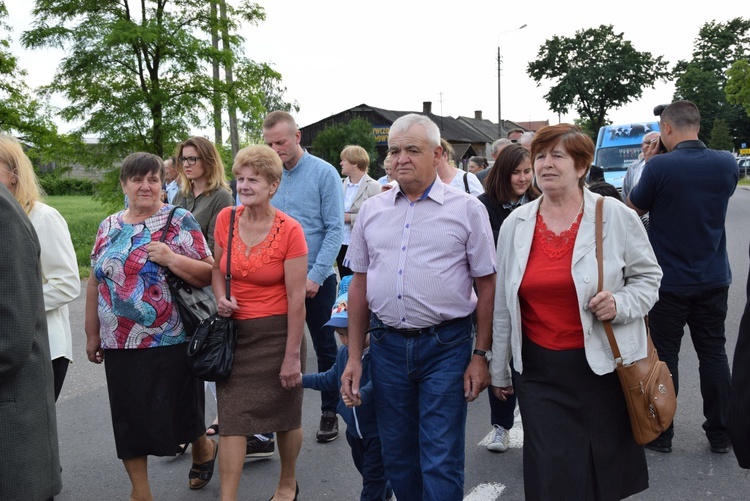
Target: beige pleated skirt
{"type": "Point", "coordinates": [252, 400]}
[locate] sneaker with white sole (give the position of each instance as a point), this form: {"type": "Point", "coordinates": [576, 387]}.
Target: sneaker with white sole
{"type": "Point", "coordinates": [329, 427]}
{"type": "Point", "coordinates": [499, 440]}
{"type": "Point", "coordinates": [259, 446]}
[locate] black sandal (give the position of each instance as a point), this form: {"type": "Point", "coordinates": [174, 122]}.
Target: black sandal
{"type": "Point", "coordinates": [202, 472]}
{"type": "Point", "coordinates": [181, 449]}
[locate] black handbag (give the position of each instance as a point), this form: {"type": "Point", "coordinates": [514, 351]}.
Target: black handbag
{"type": "Point", "coordinates": [195, 304]}
{"type": "Point", "coordinates": [210, 352]}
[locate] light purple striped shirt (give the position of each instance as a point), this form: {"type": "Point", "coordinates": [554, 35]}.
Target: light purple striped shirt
{"type": "Point", "coordinates": [420, 257]}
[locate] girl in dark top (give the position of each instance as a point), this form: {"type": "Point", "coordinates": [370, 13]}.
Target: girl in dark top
{"type": "Point", "coordinates": [509, 185]}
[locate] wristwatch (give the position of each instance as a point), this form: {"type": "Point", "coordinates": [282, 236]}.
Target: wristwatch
{"type": "Point", "coordinates": [486, 354]}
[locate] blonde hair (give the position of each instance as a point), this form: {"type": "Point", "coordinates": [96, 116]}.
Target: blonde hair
{"type": "Point", "coordinates": [262, 159]}
{"type": "Point", "coordinates": [356, 155]}
{"type": "Point", "coordinates": [26, 190]}
{"type": "Point", "coordinates": [216, 178]}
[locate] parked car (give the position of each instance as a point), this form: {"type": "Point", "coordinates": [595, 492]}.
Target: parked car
{"type": "Point", "coordinates": [744, 163]}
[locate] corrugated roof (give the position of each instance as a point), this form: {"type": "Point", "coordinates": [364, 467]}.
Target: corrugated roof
{"type": "Point", "coordinates": [485, 127]}
{"type": "Point", "coordinates": [451, 129]}
{"type": "Point", "coordinates": [454, 130]}
{"type": "Point", "coordinates": [533, 125]}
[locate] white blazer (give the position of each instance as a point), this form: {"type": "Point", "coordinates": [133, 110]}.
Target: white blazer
{"type": "Point", "coordinates": [631, 272]}
{"type": "Point", "coordinates": [60, 280]}
{"type": "Point", "coordinates": [368, 187]}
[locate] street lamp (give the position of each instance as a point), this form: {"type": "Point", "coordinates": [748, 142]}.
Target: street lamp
{"type": "Point", "coordinates": [499, 68]}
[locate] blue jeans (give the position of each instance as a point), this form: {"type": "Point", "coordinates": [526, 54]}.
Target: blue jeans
{"type": "Point", "coordinates": [421, 410]}
{"type": "Point", "coordinates": [318, 312]}
{"type": "Point", "coordinates": [367, 456]}
{"type": "Point", "coordinates": [704, 313]}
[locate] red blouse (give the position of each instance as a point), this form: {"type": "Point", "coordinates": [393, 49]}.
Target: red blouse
{"type": "Point", "coordinates": [550, 313]}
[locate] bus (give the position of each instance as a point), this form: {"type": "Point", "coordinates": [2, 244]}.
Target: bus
{"type": "Point", "coordinates": [618, 146]}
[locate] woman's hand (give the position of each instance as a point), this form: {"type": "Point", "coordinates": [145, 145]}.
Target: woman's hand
{"type": "Point", "coordinates": [502, 392]}
{"type": "Point", "coordinates": [227, 307]}
{"type": "Point", "coordinates": [160, 253]}
{"type": "Point", "coordinates": [94, 349]}
{"type": "Point", "coordinates": [291, 373]}
{"type": "Point", "coordinates": [603, 306]}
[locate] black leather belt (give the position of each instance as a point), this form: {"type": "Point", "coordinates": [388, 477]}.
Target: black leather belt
{"type": "Point", "coordinates": [424, 330]}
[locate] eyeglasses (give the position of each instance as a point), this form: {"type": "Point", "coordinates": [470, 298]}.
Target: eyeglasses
{"type": "Point", "coordinates": [189, 160]}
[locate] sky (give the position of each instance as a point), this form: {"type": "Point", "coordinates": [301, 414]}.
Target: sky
{"type": "Point", "coordinates": [396, 54]}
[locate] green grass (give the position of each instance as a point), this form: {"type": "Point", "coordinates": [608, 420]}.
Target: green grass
{"type": "Point", "coordinates": [745, 181]}
{"type": "Point", "coordinates": [83, 215]}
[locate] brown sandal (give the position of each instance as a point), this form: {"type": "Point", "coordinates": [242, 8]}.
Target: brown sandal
{"type": "Point", "coordinates": [200, 474]}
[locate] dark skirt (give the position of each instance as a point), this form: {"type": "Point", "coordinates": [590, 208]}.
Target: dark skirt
{"type": "Point", "coordinates": [155, 403]}
{"type": "Point", "coordinates": [578, 444]}
{"type": "Point", "coordinates": [252, 400]}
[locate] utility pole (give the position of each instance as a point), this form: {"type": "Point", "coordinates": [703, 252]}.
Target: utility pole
{"type": "Point", "coordinates": [499, 74]}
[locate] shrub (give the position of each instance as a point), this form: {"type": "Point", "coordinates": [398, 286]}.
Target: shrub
{"type": "Point", "coordinates": [55, 185]}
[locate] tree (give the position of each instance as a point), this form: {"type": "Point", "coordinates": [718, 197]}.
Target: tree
{"type": "Point", "coordinates": [137, 73]}
{"type": "Point", "coordinates": [21, 113]}
{"type": "Point", "coordinates": [720, 139]}
{"type": "Point", "coordinates": [704, 78]}
{"type": "Point", "coordinates": [594, 72]}
{"type": "Point", "coordinates": [738, 85]}
{"type": "Point", "coordinates": [331, 140]}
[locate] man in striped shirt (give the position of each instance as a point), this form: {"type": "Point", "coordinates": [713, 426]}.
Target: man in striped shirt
{"type": "Point", "coordinates": [415, 251]}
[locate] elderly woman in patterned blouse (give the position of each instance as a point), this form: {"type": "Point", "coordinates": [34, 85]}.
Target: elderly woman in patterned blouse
{"type": "Point", "coordinates": [133, 327]}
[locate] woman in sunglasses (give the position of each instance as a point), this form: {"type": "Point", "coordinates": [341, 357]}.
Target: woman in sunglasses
{"type": "Point", "coordinates": [204, 190]}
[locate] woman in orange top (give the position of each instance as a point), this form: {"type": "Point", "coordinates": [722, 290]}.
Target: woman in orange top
{"type": "Point", "coordinates": [269, 273]}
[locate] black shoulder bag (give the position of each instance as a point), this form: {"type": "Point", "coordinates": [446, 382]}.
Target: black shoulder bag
{"type": "Point", "coordinates": [195, 304]}
{"type": "Point", "coordinates": [210, 352]}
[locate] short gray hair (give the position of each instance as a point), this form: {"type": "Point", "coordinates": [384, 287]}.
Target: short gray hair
{"type": "Point", "coordinates": [405, 122]}
{"type": "Point", "coordinates": [499, 145]}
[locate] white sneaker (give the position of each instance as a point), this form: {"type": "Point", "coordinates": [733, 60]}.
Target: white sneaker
{"type": "Point", "coordinates": [500, 439]}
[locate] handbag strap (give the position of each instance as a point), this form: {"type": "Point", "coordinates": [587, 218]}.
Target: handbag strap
{"type": "Point", "coordinates": [600, 283]}
{"type": "Point", "coordinates": [228, 276]}
{"type": "Point", "coordinates": [166, 225]}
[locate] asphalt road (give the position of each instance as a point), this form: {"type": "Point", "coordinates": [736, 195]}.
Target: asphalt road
{"type": "Point", "coordinates": [91, 471]}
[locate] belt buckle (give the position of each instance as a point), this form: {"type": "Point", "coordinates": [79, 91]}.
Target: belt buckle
{"type": "Point", "coordinates": [409, 333]}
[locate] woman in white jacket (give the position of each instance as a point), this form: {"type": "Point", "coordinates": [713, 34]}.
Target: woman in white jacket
{"type": "Point", "coordinates": [60, 280]}
{"type": "Point", "coordinates": [577, 438]}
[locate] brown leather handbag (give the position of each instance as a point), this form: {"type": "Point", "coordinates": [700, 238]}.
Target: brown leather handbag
{"type": "Point", "coordinates": [646, 383]}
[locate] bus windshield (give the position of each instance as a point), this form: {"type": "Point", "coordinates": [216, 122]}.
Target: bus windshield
{"type": "Point", "coordinates": [618, 146]}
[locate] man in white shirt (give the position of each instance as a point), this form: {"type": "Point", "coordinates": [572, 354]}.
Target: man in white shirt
{"type": "Point", "coordinates": [170, 179]}
{"type": "Point", "coordinates": [633, 175]}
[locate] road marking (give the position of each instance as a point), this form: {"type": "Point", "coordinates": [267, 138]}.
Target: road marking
{"type": "Point", "coordinates": [485, 492]}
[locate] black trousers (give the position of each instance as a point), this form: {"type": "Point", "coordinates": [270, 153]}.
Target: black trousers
{"type": "Point", "coordinates": [704, 312]}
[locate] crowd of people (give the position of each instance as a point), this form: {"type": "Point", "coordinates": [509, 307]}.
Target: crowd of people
{"type": "Point", "coordinates": [450, 283]}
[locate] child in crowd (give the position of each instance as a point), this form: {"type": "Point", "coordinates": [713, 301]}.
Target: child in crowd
{"type": "Point", "coordinates": [361, 426]}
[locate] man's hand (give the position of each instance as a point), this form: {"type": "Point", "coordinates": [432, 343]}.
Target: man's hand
{"type": "Point", "coordinates": [652, 149]}
{"type": "Point", "coordinates": [476, 378]}
{"type": "Point", "coordinates": [311, 289]}
{"type": "Point", "coordinates": [350, 383]}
